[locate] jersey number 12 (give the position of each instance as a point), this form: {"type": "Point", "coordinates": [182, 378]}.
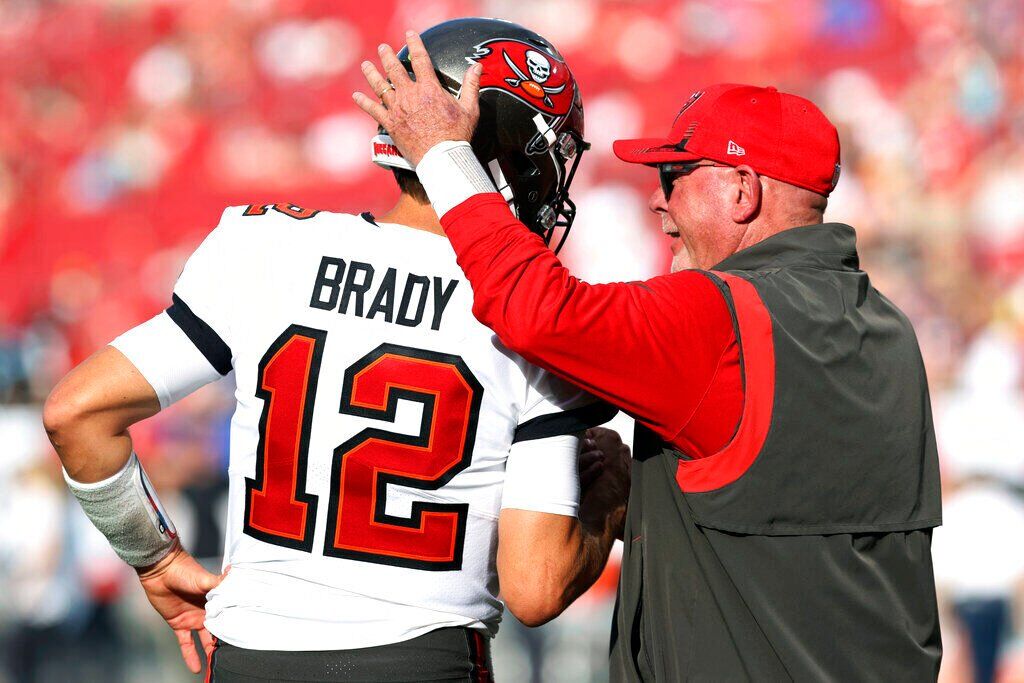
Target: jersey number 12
{"type": "Point", "coordinates": [278, 509]}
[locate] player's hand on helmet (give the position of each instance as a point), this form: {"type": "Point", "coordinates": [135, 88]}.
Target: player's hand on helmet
{"type": "Point", "coordinates": [176, 587]}
{"type": "Point", "coordinates": [605, 464]}
{"type": "Point", "coordinates": [420, 113]}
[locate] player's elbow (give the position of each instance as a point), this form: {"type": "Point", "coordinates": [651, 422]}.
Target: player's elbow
{"type": "Point", "coordinates": [534, 602]}
{"type": "Point", "coordinates": [63, 412]}
{"type": "Point", "coordinates": [70, 413]}
{"type": "Point", "coordinates": [535, 593]}
{"type": "Point", "coordinates": [536, 562]}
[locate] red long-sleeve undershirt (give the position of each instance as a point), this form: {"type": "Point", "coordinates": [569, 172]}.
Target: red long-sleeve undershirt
{"type": "Point", "coordinates": [663, 350]}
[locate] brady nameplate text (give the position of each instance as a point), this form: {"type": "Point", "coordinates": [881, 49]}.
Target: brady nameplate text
{"type": "Point", "coordinates": [357, 288]}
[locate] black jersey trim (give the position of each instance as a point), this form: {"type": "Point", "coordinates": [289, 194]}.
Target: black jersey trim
{"type": "Point", "coordinates": [202, 335]}
{"type": "Point", "coordinates": [368, 217]}
{"type": "Point", "coordinates": [567, 422]}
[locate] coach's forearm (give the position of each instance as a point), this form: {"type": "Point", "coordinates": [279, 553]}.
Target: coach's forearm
{"type": "Point", "coordinates": [88, 413]}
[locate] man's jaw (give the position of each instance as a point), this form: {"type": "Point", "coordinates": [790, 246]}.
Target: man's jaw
{"type": "Point", "coordinates": [670, 229]}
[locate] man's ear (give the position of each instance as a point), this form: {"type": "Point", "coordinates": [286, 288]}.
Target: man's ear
{"type": "Point", "coordinates": [747, 202]}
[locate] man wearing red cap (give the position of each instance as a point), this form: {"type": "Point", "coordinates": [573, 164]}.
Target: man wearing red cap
{"type": "Point", "coordinates": [785, 478]}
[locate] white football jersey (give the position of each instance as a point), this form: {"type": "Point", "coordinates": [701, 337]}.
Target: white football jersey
{"type": "Point", "coordinates": [379, 430]}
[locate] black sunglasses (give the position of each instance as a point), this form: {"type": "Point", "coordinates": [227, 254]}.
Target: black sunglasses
{"type": "Point", "coordinates": [668, 173]}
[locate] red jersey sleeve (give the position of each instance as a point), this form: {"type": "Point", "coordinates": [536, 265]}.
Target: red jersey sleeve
{"type": "Point", "coordinates": [664, 350]}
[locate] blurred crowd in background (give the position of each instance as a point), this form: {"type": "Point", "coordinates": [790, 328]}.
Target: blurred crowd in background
{"type": "Point", "coordinates": [126, 126]}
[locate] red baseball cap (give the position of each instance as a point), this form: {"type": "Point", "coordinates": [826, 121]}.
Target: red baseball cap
{"type": "Point", "coordinates": [779, 135]}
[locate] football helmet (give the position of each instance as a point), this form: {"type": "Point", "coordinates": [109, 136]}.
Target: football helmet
{"type": "Point", "coordinates": [530, 134]}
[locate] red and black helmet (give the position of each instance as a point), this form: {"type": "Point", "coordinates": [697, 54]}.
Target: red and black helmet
{"type": "Point", "coordinates": [530, 135]}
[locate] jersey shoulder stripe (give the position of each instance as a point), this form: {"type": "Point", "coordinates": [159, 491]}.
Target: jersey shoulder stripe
{"type": "Point", "coordinates": [202, 335]}
{"type": "Point", "coordinates": [565, 422]}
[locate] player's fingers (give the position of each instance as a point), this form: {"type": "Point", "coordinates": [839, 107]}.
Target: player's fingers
{"type": "Point", "coordinates": [608, 438]}
{"type": "Point", "coordinates": [591, 460]}
{"type": "Point", "coordinates": [375, 109]}
{"type": "Point", "coordinates": [396, 73]}
{"type": "Point", "coordinates": [380, 86]}
{"type": "Point", "coordinates": [421, 64]}
{"type": "Point", "coordinates": [188, 649]}
{"type": "Point", "coordinates": [206, 639]}
{"type": "Point", "coordinates": [591, 474]}
{"type": "Point", "coordinates": [469, 95]}
{"type": "Point", "coordinates": [589, 479]}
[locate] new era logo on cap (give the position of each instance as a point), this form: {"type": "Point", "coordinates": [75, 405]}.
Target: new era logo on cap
{"type": "Point", "coordinates": [735, 149]}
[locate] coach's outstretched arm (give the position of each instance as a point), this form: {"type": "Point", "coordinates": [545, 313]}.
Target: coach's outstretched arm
{"type": "Point", "coordinates": [651, 348]}
{"type": "Point", "coordinates": [87, 417]}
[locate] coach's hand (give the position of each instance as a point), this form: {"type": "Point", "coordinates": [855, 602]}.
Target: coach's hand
{"type": "Point", "coordinates": [604, 487]}
{"type": "Point", "coordinates": [176, 587]}
{"type": "Point", "coordinates": [420, 113]}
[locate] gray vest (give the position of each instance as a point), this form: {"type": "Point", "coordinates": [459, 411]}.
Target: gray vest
{"type": "Point", "coordinates": [801, 551]}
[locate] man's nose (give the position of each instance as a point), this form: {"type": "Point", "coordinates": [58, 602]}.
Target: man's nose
{"type": "Point", "coordinates": [657, 203]}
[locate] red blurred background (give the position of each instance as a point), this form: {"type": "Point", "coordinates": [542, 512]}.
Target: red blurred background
{"type": "Point", "coordinates": [126, 126]}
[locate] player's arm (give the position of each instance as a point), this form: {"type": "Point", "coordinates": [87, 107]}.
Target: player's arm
{"type": "Point", "coordinates": [651, 348]}
{"type": "Point", "coordinates": [550, 551]}
{"type": "Point", "coordinates": [87, 417]}
{"type": "Point", "coordinates": [88, 413]}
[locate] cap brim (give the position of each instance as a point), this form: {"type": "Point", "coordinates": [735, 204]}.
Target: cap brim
{"type": "Point", "coordinates": [650, 151]}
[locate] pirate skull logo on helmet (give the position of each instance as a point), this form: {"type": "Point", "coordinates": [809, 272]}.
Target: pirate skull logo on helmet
{"type": "Point", "coordinates": [539, 66]}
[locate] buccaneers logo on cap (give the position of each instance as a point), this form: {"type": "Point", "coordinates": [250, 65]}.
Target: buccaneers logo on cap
{"type": "Point", "coordinates": [534, 77]}
{"type": "Point", "coordinates": [689, 103]}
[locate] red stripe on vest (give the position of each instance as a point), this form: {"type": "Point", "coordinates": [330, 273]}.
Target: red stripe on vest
{"type": "Point", "coordinates": [758, 352]}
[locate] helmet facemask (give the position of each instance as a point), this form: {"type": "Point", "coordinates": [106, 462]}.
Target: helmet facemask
{"type": "Point", "coordinates": [560, 212]}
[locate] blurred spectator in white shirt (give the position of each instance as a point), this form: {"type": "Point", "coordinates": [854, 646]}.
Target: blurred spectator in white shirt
{"type": "Point", "coordinates": [978, 552]}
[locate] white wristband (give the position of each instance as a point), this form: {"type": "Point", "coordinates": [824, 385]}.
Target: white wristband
{"type": "Point", "coordinates": [125, 509]}
{"type": "Point", "coordinates": [451, 174]}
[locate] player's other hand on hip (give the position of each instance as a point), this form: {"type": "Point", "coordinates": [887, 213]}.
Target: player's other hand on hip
{"type": "Point", "coordinates": [420, 113]}
{"type": "Point", "coordinates": [176, 587]}
{"type": "Point", "coordinates": [605, 464]}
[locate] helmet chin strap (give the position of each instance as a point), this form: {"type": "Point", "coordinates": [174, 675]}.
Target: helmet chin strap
{"type": "Point", "coordinates": [384, 153]}
{"type": "Point", "coordinates": [500, 182]}
{"type": "Point", "coordinates": [545, 129]}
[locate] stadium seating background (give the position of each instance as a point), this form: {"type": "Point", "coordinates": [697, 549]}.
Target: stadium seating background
{"type": "Point", "coordinates": [126, 126]}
